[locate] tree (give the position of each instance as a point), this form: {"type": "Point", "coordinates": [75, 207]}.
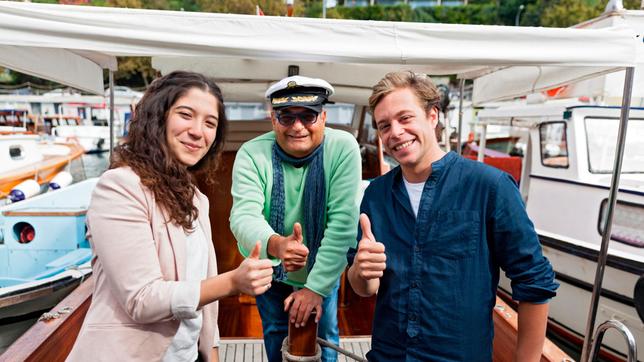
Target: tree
{"type": "Point", "coordinates": [135, 71]}
{"type": "Point", "coordinates": [566, 13]}
{"type": "Point", "coordinates": [269, 7]}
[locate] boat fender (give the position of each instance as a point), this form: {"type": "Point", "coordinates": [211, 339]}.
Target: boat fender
{"type": "Point", "coordinates": [638, 297]}
{"type": "Point", "coordinates": [24, 190]}
{"type": "Point", "coordinates": [62, 179]}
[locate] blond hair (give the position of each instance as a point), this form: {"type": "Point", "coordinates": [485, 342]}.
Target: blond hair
{"type": "Point", "coordinates": [420, 84]}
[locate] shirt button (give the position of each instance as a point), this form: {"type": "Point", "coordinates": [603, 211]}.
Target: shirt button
{"type": "Point", "coordinates": [412, 317]}
{"type": "Point", "coordinates": [414, 284]}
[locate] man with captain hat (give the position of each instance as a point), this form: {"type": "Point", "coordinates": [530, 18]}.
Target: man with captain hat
{"type": "Point", "coordinates": [295, 190]}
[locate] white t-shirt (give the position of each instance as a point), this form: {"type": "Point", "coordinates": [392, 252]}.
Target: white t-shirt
{"type": "Point", "coordinates": [184, 343]}
{"type": "Point", "coordinates": [415, 191]}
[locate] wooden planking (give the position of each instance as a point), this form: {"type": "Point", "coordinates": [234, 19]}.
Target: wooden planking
{"type": "Point", "coordinates": [252, 350]}
{"type": "Point", "coordinates": [259, 352]}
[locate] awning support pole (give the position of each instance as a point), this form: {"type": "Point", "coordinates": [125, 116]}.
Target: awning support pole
{"type": "Point", "coordinates": [460, 117]}
{"type": "Point", "coordinates": [614, 187]}
{"type": "Point", "coordinates": [111, 80]}
{"type": "Point", "coordinates": [482, 143]}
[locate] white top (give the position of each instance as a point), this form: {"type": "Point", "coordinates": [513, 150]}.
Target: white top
{"type": "Point", "coordinates": [184, 343]}
{"type": "Point", "coordinates": [415, 191]}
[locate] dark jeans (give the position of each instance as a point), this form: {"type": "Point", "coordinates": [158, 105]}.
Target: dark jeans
{"type": "Point", "coordinates": [275, 321]}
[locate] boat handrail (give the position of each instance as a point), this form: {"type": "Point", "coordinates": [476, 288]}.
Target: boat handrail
{"type": "Point", "coordinates": [619, 326]}
{"type": "Point", "coordinates": [27, 212]}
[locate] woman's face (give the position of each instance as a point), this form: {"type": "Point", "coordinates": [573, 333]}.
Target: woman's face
{"type": "Point", "coordinates": [191, 126]}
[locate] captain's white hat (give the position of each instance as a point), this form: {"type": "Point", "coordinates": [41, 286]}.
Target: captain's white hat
{"type": "Point", "coordinates": [299, 91]}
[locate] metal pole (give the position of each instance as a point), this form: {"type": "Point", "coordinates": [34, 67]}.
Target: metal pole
{"type": "Point", "coordinates": [323, 9]}
{"type": "Point", "coordinates": [612, 198]}
{"type": "Point", "coordinates": [460, 117]}
{"type": "Point", "coordinates": [328, 344]}
{"type": "Point", "coordinates": [111, 78]}
{"type": "Point", "coordinates": [482, 143]}
{"type": "Point", "coordinates": [518, 17]}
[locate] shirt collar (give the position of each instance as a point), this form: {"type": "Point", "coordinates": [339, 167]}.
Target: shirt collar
{"type": "Point", "coordinates": [438, 167]}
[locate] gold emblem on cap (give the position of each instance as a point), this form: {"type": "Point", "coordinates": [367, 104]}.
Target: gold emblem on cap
{"type": "Point", "coordinates": [304, 98]}
{"type": "Point", "coordinates": [291, 84]}
{"type": "Point", "coordinates": [279, 100]}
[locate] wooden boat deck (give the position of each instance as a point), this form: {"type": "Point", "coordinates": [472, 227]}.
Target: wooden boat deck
{"type": "Point", "coordinates": [252, 350]}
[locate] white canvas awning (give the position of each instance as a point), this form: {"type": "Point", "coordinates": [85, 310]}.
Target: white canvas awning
{"type": "Point", "coordinates": [517, 81]}
{"type": "Point", "coordinates": [352, 53]}
{"type": "Point", "coordinates": [58, 65]}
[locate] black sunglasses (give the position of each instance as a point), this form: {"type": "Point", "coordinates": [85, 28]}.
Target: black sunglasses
{"type": "Point", "coordinates": [287, 119]}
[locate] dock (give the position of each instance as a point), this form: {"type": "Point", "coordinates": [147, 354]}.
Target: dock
{"type": "Point", "coordinates": [252, 349]}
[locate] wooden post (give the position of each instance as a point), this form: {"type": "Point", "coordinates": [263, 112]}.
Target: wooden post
{"type": "Point", "coordinates": [302, 341]}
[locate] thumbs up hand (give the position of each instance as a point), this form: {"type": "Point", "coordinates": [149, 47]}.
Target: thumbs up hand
{"type": "Point", "coordinates": [370, 260]}
{"type": "Point", "coordinates": [290, 249]}
{"type": "Point", "coordinates": [254, 275]}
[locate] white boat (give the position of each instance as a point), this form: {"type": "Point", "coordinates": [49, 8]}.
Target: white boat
{"type": "Point", "coordinates": [93, 138]}
{"type": "Point", "coordinates": [565, 181]}
{"type": "Point", "coordinates": [43, 255]}
{"type": "Point", "coordinates": [72, 116]}
{"type": "Point", "coordinates": [25, 157]}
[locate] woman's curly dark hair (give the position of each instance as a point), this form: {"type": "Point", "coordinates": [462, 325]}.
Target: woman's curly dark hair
{"type": "Point", "coordinates": [146, 151]}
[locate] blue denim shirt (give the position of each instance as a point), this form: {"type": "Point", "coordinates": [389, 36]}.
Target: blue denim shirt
{"type": "Point", "coordinates": [437, 294]}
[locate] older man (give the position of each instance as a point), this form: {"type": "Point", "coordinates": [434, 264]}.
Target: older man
{"type": "Point", "coordinates": [295, 190]}
{"type": "Point", "coordinates": [434, 233]}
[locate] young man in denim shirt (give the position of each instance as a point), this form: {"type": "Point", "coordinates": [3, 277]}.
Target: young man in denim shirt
{"type": "Point", "coordinates": [435, 232]}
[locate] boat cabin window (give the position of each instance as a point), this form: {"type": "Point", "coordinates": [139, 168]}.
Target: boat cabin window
{"type": "Point", "coordinates": [246, 111]}
{"type": "Point", "coordinates": [338, 113]}
{"type": "Point", "coordinates": [628, 222]}
{"type": "Point", "coordinates": [554, 144]}
{"type": "Point", "coordinates": [601, 136]}
{"type": "Point", "coordinates": [16, 152]}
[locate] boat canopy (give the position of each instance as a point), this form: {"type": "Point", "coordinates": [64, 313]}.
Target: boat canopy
{"type": "Point", "coordinates": [524, 115]}
{"type": "Point", "coordinates": [246, 48]}
{"type": "Point", "coordinates": [517, 81]}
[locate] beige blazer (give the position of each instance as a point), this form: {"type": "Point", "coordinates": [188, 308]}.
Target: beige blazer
{"type": "Point", "coordinates": [138, 259]}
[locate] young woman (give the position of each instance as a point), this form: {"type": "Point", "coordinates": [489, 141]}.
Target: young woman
{"type": "Point", "coordinates": [156, 282]}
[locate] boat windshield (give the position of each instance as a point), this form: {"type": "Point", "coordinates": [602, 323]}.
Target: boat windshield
{"type": "Point", "coordinates": [338, 113]}
{"type": "Point", "coordinates": [601, 134]}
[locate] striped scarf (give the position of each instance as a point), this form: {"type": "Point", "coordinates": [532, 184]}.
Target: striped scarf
{"type": "Point", "coordinates": [314, 200]}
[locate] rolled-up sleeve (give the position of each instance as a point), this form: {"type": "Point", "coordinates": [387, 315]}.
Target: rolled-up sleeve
{"type": "Point", "coordinates": [185, 300]}
{"type": "Point", "coordinates": [517, 247]}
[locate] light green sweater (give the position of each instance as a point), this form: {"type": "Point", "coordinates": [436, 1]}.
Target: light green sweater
{"type": "Point", "coordinates": [251, 190]}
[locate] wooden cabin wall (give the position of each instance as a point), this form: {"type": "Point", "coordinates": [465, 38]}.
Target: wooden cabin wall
{"type": "Point", "coordinates": [221, 201]}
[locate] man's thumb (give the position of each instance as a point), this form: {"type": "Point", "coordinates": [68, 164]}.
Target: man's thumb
{"type": "Point", "coordinates": [254, 254]}
{"type": "Point", "coordinates": [297, 232]}
{"type": "Point", "coordinates": [365, 226]}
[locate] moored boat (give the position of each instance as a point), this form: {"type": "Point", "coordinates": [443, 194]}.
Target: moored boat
{"type": "Point", "coordinates": [43, 255]}
{"type": "Point", "coordinates": [24, 157]}
{"type": "Point", "coordinates": [565, 182]}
